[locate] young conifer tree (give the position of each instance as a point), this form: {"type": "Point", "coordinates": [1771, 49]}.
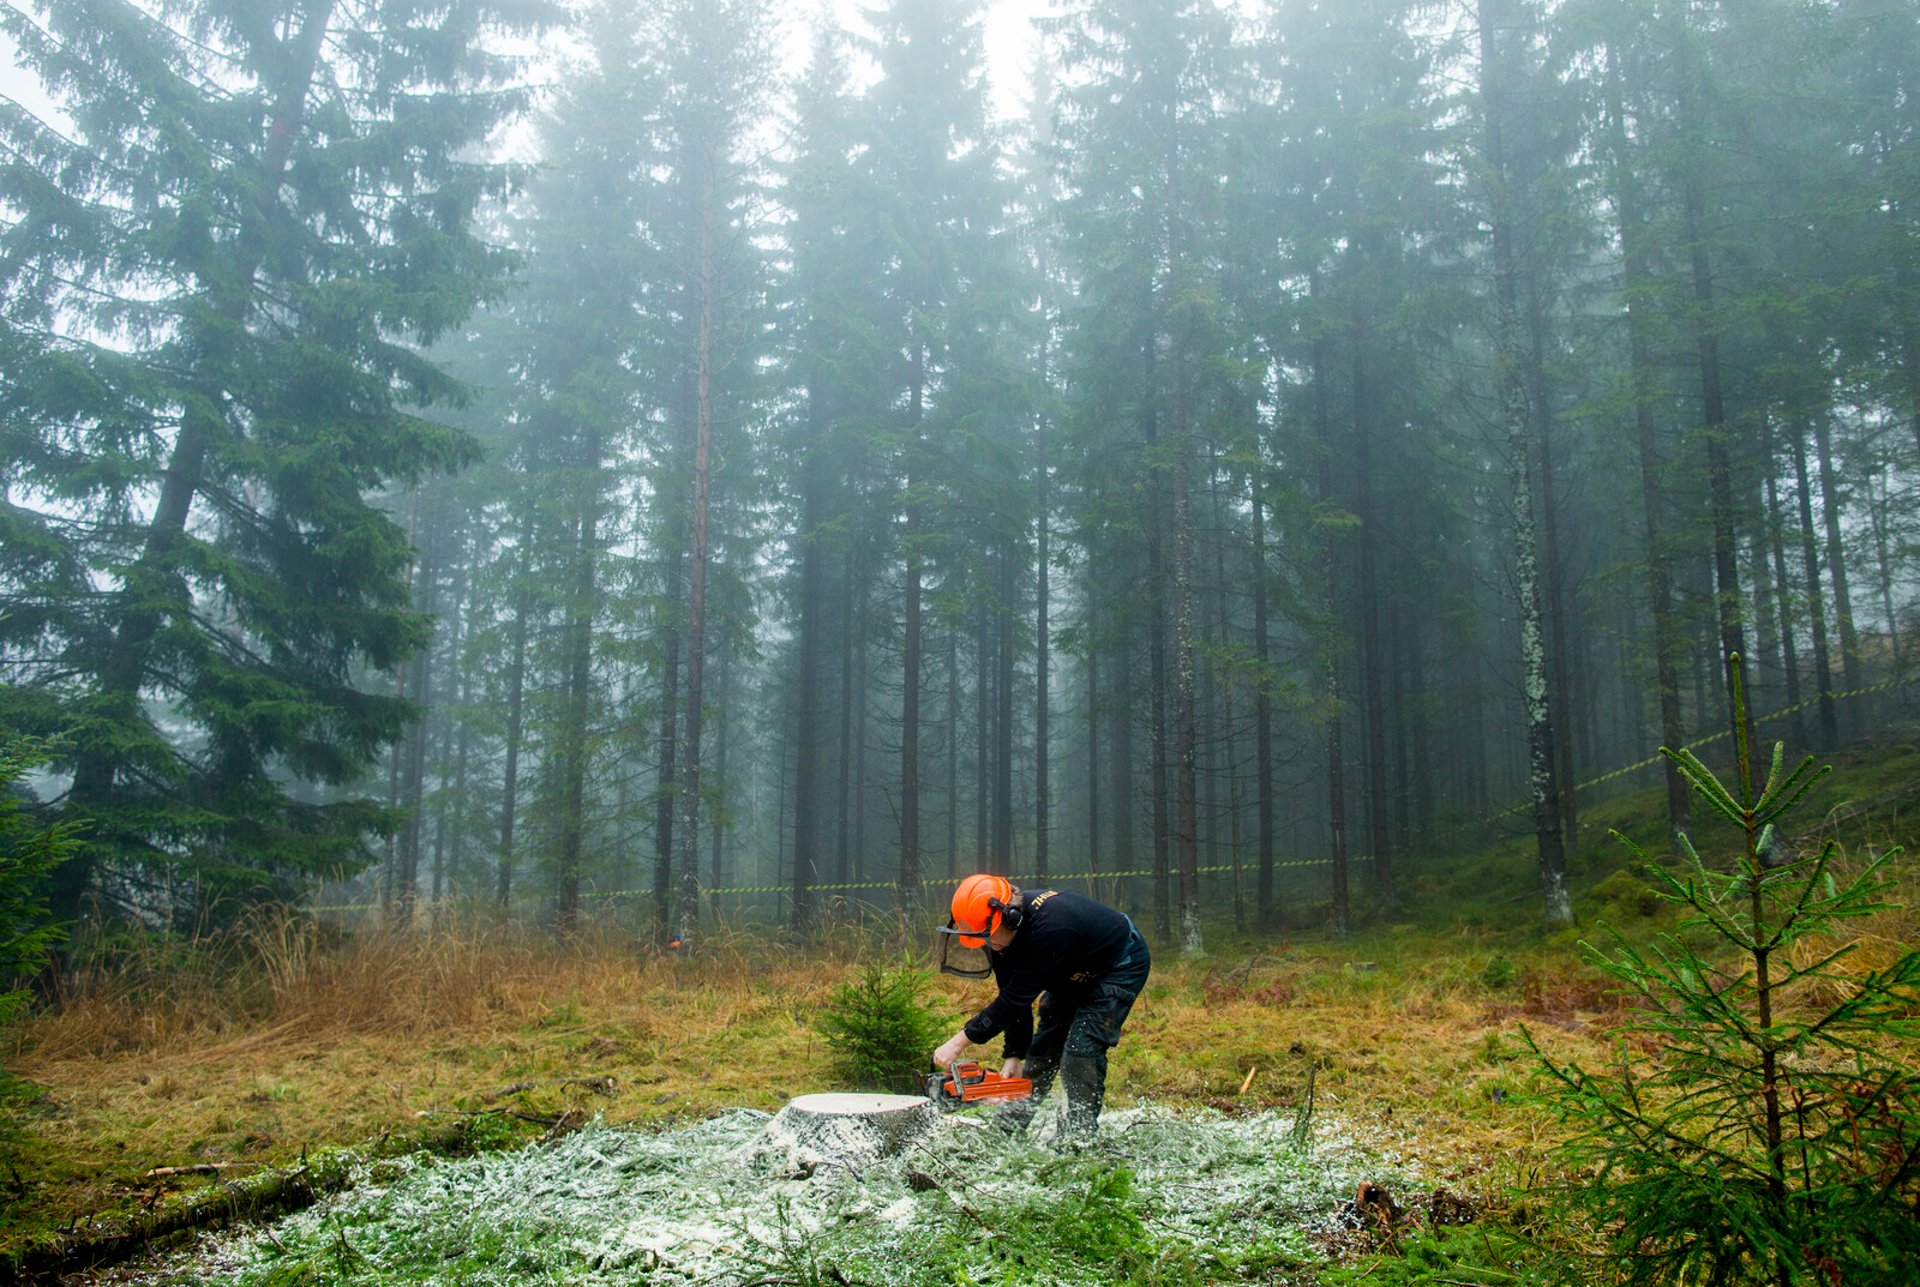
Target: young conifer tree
{"type": "Point", "coordinates": [221, 262]}
{"type": "Point", "coordinates": [1775, 1138]}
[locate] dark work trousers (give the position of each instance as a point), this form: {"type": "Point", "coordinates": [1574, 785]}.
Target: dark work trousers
{"type": "Point", "coordinates": [1076, 1027]}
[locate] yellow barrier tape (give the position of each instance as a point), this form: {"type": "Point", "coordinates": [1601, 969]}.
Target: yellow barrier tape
{"type": "Point", "coordinates": [1708, 740]}
{"type": "Point", "coordinates": [846, 886]}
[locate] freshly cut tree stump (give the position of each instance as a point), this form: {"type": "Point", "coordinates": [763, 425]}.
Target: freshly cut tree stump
{"type": "Point", "coordinates": [842, 1130]}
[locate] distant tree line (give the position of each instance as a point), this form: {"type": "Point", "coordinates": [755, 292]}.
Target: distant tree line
{"type": "Point", "coordinates": [1309, 431]}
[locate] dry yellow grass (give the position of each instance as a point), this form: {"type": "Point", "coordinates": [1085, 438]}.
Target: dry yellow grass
{"type": "Point", "coordinates": [315, 1040]}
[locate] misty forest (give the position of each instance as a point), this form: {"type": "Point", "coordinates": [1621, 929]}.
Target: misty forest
{"type": "Point", "coordinates": [673, 462]}
{"type": "Point", "coordinates": [538, 540]}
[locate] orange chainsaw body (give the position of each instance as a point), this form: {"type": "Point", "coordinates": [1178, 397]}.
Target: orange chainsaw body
{"type": "Point", "coordinates": [968, 1083]}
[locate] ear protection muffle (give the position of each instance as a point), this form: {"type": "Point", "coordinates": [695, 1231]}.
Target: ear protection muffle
{"type": "Point", "coordinates": [1012, 915]}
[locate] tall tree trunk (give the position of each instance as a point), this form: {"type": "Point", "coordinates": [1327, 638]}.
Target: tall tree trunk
{"type": "Point", "coordinates": [1004, 617]}
{"type": "Point", "coordinates": [1120, 759]}
{"type": "Point", "coordinates": [1667, 640]}
{"type": "Point", "coordinates": [717, 834]}
{"type": "Point", "coordinates": [1836, 555]}
{"type": "Point", "coordinates": [1783, 595]}
{"type": "Point", "coordinates": [1717, 432]}
{"type": "Point", "coordinates": [1559, 672]}
{"type": "Point", "coordinates": [1330, 641]}
{"type": "Point", "coordinates": [1222, 694]}
{"type": "Point", "coordinates": [1909, 324]}
{"type": "Point", "coordinates": [453, 778]}
{"type": "Point", "coordinates": [1877, 507]}
{"type": "Point", "coordinates": [1557, 902]}
{"type": "Point", "coordinates": [516, 724]}
{"type": "Point", "coordinates": [1417, 717]}
{"type": "Point", "coordinates": [697, 572]}
{"type": "Point", "coordinates": [843, 864]}
{"type": "Point", "coordinates": [413, 784]}
{"type": "Point", "coordinates": [983, 727]}
{"type": "Point", "coordinates": [1397, 701]}
{"type": "Point", "coordinates": [862, 729]}
{"type": "Point", "coordinates": [1093, 741]}
{"type": "Point", "coordinates": [953, 752]}
{"type": "Point", "coordinates": [682, 430]}
{"type": "Point", "coordinates": [1265, 908]}
{"type": "Point", "coordinates": [806, 763]}
{"type": "Point", "coordinates": [582, 601]}
{"type": "Point", "coordinates": [1816, 598]}
{"type": "Point", "coordinates": [1372, 654]}
{"type": "Point", "coordinates": [1766, 620]}
{"type": "Point", "coordinates": [666, 790]}
{"type": "Point", "coordinates": [1192, 942]}
{"type": "Point", "coordinates": [1157, 652]}
{"type": "Point", "coordinates": [1187, 733]}
{"type": "Point", "coordinates": [1043, 658]}
{"type": "Point", "coordinates": [910, 663]}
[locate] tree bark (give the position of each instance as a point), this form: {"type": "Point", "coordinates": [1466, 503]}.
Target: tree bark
{"type": "Point", "coordinates": [697, 571]}
{"type": "Point", "coordinates": [843, 856]}
{"type": "Point", "coordinates": [909, 874]}
{"type": "Point", "coordinates": [582, 604]}
{"type": "Point", "coordinates": [1192, 942]}
{"type": "Point", "coordinates": [665, 794]}
{"type": "Point", "coordinates": [1716, 430]}
{"type": "Point", "coordinates": [1373, 660]}
{"type": "Point", "coordinates": [1093, 743]}
{"type": "Point", "coordinates": [1157, 655]}
{"type": "Point", "coordinates": [1830, 505]}
{"type": "Point", "coordinates": [1043, 658]}
{"type": "Point", "coordinates": [1559, 671]}
{"type": "Point", "coordinates": [1120, 758]}
{"type": "Point", "coordinates": [516, 723]}
{"type": "Point", "coordinates": [1004, 617]}
{"type": "Point", "coordinates": [1330, 636]}
{"type": "Point", "coordinates": [1877, 508]}
{"type": "Point", "coordinates": [953, 751]}
{"type": "Point", "coordinates": [1816, 598]}
{"type": "Point", "coordinates": [806, 762]}
{"type": "Point", "coordinates": [1783, 596]}
{"type": "Point", "coordinates": [1543, 780]}
{"type": "Point", "coordinates": [1667, 641]}
{"type": "Point", "coordinates": [420, 687]}
{"type": "Point", "coordinates": [1265, 907]}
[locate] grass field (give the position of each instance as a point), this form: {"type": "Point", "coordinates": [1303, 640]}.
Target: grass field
{"type": "Point", "coordinates": [247, 1054]}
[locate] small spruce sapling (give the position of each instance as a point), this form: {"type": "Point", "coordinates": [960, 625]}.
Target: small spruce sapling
{"type": "Point", "coordinates": [881, 1028]}
{"type": "Point", "coordinates": [1774, 1135]}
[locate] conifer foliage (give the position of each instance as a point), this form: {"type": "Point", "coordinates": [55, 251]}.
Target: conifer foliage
{"type": "Point", "coordinates": [28, 851]}
{"type": "Point", "coordinates": [215, 277]}
{"type": "Point", "coordinates": [1775, 1139]}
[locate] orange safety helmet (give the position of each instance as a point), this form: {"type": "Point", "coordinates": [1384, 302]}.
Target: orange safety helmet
{"type": "Point", "coordinates": [978, 903]}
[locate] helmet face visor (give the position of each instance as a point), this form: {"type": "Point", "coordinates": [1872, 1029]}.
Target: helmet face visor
{"type": "Point", "coordinates": [968, 935]}
{"type": "Point", "coordinates": [963, 955]}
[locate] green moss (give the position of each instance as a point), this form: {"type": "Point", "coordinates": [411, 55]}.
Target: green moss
{"type": "Point", "coordinates": [1620, 899]}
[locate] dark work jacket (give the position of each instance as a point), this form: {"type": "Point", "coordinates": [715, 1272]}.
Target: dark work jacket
{"type": "Point", "coordinates": [1068, 942]}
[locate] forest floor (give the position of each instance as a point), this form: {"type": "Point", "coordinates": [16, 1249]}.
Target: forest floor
{"type": "Point", "coordinates": [251, 1056]}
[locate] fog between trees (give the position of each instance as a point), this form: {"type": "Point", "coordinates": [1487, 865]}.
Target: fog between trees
{"type": "Point", "coordinates": [1313, 430]}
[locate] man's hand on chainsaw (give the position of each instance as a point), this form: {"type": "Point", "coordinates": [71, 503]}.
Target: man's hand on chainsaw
{"type": "Point", "coordinates": [956, 1045]}
{"type": "Point", "coordinates": [1011, 1068]}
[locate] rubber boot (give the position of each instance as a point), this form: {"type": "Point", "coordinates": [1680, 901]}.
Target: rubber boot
{"type": "Point", "coordinates": [1014, 1116]}
{"type": "Point", "coordinates": [1085, 1081]}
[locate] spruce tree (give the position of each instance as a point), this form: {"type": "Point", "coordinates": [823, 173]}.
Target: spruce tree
{"type": "Point", "coordinates": [224, 264]}
{"type": "Point", "coordinates": [1776, 1138]}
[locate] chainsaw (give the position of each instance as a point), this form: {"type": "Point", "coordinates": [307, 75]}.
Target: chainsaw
{"type": "Point", "coordinates": [968, 1083]}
